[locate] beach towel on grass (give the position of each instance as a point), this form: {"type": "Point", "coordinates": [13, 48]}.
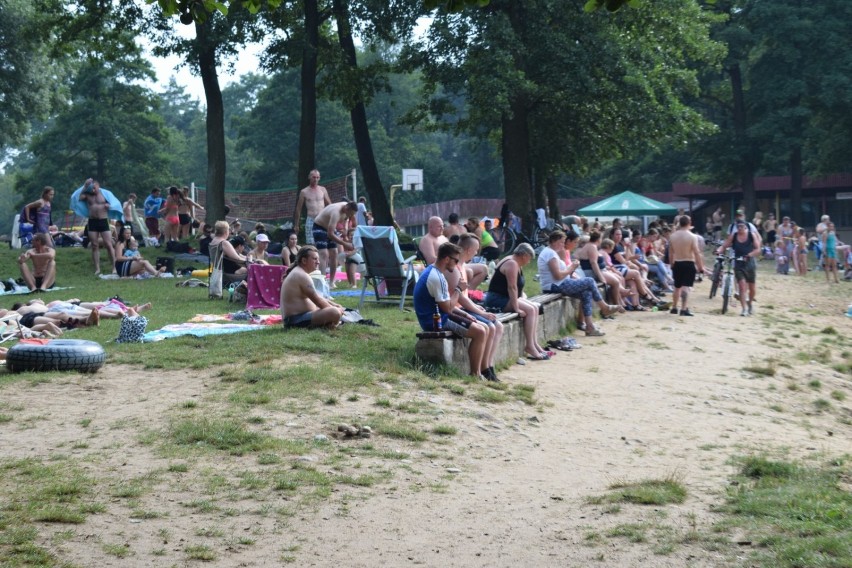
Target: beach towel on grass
{"type": "Point", "coordinates": [346, 292]}
{"type": "Point", "coordinates": [24, 290]}
{"type": "Point", "coordinates": [198, 330]}
{"type": "Point", "coordinates": [272, 319]}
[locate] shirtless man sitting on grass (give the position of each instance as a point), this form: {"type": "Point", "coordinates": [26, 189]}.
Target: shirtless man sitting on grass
{"type": "Point", "coordinates": [301, 304]}
{"type": "Point", "coordinates": [43, 274]}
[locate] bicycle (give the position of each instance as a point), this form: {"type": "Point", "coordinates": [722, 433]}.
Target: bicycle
{"type": "Point", "coordinates": [716, 278]}
{"type": "Point", "coordinates": [538, 237]}
{"type": "Point", "coordinates": [726, 280]}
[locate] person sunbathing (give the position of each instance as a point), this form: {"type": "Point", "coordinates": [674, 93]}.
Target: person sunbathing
{"type": "Point", "coordinates": [11, 321]}
{"type": "Point", "coordinates": [35, 313]}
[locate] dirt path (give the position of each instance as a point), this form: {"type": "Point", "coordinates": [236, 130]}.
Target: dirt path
{"type": "Point", "coordinates": [659, 396]}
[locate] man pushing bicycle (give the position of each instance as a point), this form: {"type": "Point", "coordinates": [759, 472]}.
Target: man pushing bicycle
{"type": "Point", "coordinates": [746, 248]}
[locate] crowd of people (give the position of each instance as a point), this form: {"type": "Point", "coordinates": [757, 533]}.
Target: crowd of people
{"type": "Point", "coordinates": [51, 319]}
{"type": "Point", "coordinates": [613, 268]}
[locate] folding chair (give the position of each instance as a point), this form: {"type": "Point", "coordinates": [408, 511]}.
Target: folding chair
{"type": "Point", "coordinates": [386, 270]}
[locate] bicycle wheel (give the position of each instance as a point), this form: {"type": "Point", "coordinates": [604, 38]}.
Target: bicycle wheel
{"type": "Point", "coordinates": [509, 241]}
{"type": "Point", "coordinates": [540, 238]}
{"type": "Point", "coordinates": [715, 280]}
{"type": "Point", "coordinates": [727, 292]}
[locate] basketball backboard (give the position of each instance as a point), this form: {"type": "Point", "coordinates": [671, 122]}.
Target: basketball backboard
{"type": "Point", "coordinates": [412, 179]}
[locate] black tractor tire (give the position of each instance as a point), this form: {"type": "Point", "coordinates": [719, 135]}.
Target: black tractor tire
{"type": "Point", "coordinates": [56, 355]}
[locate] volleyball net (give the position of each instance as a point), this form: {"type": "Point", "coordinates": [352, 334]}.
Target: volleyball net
{"type": "Point", "coordinates": [273, 206]}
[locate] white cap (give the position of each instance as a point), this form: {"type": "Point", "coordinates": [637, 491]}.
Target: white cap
{"type": "Point", "coordinates": [261, 238]}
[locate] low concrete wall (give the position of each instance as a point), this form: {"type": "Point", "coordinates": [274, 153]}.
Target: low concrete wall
{"type": "Point", "coordinates": [554, 317]}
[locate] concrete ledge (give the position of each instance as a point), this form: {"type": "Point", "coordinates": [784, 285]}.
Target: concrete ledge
{"type": "Point", "coordinates": [554, 315]}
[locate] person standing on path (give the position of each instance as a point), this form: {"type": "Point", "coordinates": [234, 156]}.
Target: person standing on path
{"type": "Point", "coordinates": [746, 248]}
{"type": "Point", "coordinates": [687, 262]}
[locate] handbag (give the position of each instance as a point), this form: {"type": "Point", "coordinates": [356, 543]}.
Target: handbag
{"type": "Point", "coordinates": [132, 329]}
{"type": "Point", "coordinates": [214, 289]}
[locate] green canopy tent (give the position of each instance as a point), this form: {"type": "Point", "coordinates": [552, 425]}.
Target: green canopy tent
{"type": "Point", "coordinates": [627, 204]}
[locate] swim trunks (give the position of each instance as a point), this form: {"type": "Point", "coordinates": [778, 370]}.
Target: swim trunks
{"type": "Point", "coordinates": [28, 320]}
{"type": "Point", "coordinates": [322, 240]}
{"type": "Point", "coordinates": [98, 226]}
{"type": "Point", "coordinates": [305, 319]}
{"type": "Point", "coordinates": [309, 230]}
{"type": "Point", "coordinates": [684, 273]}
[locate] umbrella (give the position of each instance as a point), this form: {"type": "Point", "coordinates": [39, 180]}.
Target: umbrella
{"type": "Point", "coordinates": [627, 203]}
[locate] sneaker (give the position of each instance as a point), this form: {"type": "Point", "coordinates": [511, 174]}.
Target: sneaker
{"type": "Point", "coordinates": [744, 313]}
{"type": "Point", "coordinates": [612, 309]}
{"type": "Point", "coordinates": [594, 332]}
{"type": "Point", "coordinates": [673, 311]}
{"type": "Point", "coordinates": [686, 312]}
{"type": "Point", "coordinates": [751, 310]}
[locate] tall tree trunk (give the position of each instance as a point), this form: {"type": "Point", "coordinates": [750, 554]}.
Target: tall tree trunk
{"type": "Point", "coordinates": [516, 135]}
{"type": "Point", "coordinates": [360, 128]}
{"type": "Point", "coordinates": [796, 185]}
{"type": "Point", "coordinates": [215, 205]}
{"type": "Point", "coordinates": [308, 122]}
{"type": "Point", "coordinates": [747, 166]}
{"type": "Point", "coordinates": [552, 197]}
{"type": "Point", "coordinates": [516, 167]}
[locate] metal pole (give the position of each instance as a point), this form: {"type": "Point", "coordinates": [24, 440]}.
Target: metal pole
{"type": "Point", "coordinates": [354, 186]}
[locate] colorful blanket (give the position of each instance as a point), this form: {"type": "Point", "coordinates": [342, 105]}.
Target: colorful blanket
{"type": "Point", "coordinates": [274, 319]}
{"type": "Point", "coordinates": [198, 330]}
{"type": "Point", "coordinates": [24, 290]}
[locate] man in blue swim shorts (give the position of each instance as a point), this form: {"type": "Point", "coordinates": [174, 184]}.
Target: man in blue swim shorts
{"type": "Point", "coordinates": [325, 238]}
{"type": "Point", "coordinates": [301, 304]}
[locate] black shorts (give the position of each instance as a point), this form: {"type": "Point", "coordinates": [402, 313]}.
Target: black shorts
{"type": "Point", "coordinates": [490, 253]}
{"type": "Point", "coordinates": [305, 319]}
{"type": "Point", "coordinates": [184, 218]}
{"type": "Point", "coordinates": [39, 280]}
{"type": "Point", "coordinates": [684, 273]}
{"type": "Point", "coordinates": [28, 320]}
{"type": "Point", "coordinates": [98, 226]}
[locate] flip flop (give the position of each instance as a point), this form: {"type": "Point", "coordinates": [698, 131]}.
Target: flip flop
{"type": "Point", "coordinates": [539, 357]}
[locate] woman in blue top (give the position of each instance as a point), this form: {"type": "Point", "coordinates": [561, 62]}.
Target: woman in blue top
{"type": "Point", "coordinates": [829, 246]}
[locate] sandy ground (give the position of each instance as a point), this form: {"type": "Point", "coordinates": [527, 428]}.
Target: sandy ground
{"type": "Point", "coordinates": [659, 396]}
